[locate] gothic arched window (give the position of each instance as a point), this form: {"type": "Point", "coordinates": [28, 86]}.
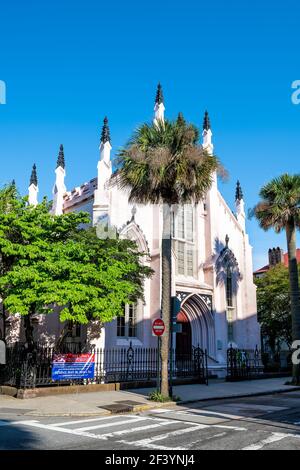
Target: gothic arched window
{"type": "Point", "coordinates": [229, 287]}
{"type": "Point", "coordinates": [229, 303]}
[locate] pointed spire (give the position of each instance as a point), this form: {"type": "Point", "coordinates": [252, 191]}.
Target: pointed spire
{"type": "Point", "coordinates": [13, 183]}
{"type": "Point", "coordinates": [226, 240]}
{"type": "Point", "coordinates": [61, 157]}
{"type": "Point", "coordinates": [206, 121]}
{"type": "Point", "coordinates": [159, 95]}
{"type": "Point", "coordinates": [105, 134]}
{"type": "Point", "coordinates": [180, 119]}
{"type": "Point", "coordinates": [33, 177]}
{"type": "Point", "coordinates": [238, 192]}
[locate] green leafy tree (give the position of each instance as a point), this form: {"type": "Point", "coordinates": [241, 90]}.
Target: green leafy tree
{"type": "Point", "coordinates": [279, 208]}
{"type": "Point", "coordinates": [274, 306]}
{"type": "Point", "coordinates": [164, 164]}
{"type": "Point", "coordinates": [49, 262]}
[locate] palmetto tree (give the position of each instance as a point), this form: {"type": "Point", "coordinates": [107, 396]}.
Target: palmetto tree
{"type": "Point", "coordinates": [279, 209]}
{"type": "Point", "coordinates": [163, 164]}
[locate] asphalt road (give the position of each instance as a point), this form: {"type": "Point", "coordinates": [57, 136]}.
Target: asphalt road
{"type": "Point", "coordinates": [267, 422]}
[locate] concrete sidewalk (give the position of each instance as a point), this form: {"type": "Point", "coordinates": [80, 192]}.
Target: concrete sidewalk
{"type": "Point", "coordinates": [100, 403]}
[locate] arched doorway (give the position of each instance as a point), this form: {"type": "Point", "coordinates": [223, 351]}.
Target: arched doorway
{"type": "Point", "coordinates": [184, 338]}
{"type": "Point", "coordinates": [198, 324]}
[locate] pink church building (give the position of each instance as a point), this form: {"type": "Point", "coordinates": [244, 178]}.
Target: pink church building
{"type": "Point", "coordinates": [212, 262]}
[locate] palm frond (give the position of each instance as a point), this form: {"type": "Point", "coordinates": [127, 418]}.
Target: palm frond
{"type": "Point", "coordinates": [164, 163]}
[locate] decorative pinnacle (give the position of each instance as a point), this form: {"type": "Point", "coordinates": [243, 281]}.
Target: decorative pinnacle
{"type": "Point", "coordinates": [227, 240]}
{"type": "Point", "coordinates": [105, 135]}
{"type": "Point", "coordinates": [159, 95]}
{"type": "Point", "coordinates": [206, 122]}
{"type": "Point", "coordinates": [133, 212]}
{"type": "Point", "coordinates": [180, 119]}
{"type": "Point", "coordinates": [61, 157]}
{"type": "Point", "coordinates": [33, 177]}
{"type": "Point", "coordinates": [238, 192]}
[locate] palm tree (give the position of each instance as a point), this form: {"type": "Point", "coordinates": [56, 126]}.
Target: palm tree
{"type": "Point", "coordinates": [163, 164]}
{"type": "Point", "coordinates": [279, 208]}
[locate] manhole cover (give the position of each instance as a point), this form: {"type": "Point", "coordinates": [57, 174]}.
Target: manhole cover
{"type": "Point", "coordinates": [117, 408]}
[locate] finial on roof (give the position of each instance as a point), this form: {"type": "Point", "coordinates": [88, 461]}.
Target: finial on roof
{"type": "Point", "coordinates": [105, 134]}
{"type": "Point", "coordinates": [180, 119]}
{"type": "Point", "coordinates": [226, 240]}
{"type": "Point", "coordinates": [61, 157]}
{"type": "Point", "coordinates": [133, 212]}
{"type": "Point", "coordinates": [159, 94]}
{"type": "Point", "coordinates": [238, 192]}
{"type": "Point", "coordinates": [206, 121]}
{"type": "Point", "coordinates": [33, 177]}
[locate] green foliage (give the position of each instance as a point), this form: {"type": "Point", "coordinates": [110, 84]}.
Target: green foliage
{"type": "Point", "coordinates": [157, 396]}
{"type": "Point", "coordinates": [48, 261]}
{"type": "Point", "coordinates": [280, 203]}
{"type": "Point", "coordinates": [274, 305]}
{"type": "Point", "coordinates": [163, 163]}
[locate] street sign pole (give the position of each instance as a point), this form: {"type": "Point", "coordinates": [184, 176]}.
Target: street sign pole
{"type": "Point", "coordinates": [158, 329]}
{"type": "Point", "coordinates": [158, 363]}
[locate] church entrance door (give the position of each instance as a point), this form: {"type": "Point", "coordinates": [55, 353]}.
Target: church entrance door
{"type": "Point", "coordinates": [184, 339]}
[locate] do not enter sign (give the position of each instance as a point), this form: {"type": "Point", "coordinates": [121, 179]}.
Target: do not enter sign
{"type": "Point", "coordinates": [158, 327]}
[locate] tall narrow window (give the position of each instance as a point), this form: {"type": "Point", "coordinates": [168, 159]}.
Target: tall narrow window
{"type": "Point", "coordinates": [131, 321]}
{"type": "Point", "coordinates": [127, 323]}
{"type": "Point", "coordinates": [230, 306]}
{"type": "Point", "coordinates": [180, 257]}
{"type": "Point", "coordinates": [121, 326]}
{"type": "Point", "coordinates": [184, 240]}
{"type": "Point", "coordinates": [229, 287]}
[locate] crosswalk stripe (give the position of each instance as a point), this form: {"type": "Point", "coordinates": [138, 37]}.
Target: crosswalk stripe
{"type": "Point", "coordinates": [49, 427]}
{"type": "Point", "coordinates": [91, 420]}
{"type": "Point", "coordinates": [10, 423]}
{"type": "Point", "coordinates": [106, 425]}
{"type": "Point", "coordinates": [159, 437]}
{"type": "Point", "coordinates": [275, 436]}
{"type": "Point", "coordinates": [137, 429]}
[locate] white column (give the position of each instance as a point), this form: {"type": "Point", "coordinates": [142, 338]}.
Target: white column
{"type": "Point", "coordinates": [159, 108]}
{"type": "Point", "coordinates": [240, 206]}
{"type": "Point", "coordinates": [32, 195]}
{"type": "Point", "coordinates": [58, 191]}
{"type": "Point", "coordinates": [101, 194]}
{"type": "Point", "coordinates": [59, 187]}
{"type": "Point", "coordinates": [33, 188]}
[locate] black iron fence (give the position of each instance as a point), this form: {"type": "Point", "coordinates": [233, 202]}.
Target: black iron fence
{"type": "Point", "coordinates": [244, 364]}
{"type": "Point", "coordinates": [26, 369]}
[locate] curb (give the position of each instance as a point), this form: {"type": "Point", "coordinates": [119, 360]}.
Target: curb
{"type": "Point", "coordinates": [72, 415]}
{"type": "Point", "coordinates": [124, 410]}
{"type": "Point", "coordinates": [244, 395]}
{"type": "Point", "coordinates": [146, 407]}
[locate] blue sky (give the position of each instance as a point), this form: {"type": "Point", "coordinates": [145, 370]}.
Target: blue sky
{"type": "Point", "coordinates": [67, 64]}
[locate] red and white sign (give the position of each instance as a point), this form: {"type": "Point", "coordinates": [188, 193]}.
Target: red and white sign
{"type": "Point", "coordinates": [158, 327]}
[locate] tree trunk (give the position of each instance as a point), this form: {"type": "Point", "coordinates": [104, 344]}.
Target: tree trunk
{"type": "Point", "coordinates": [166, 296]}
{"type": "Point", "coordinates": [294, 290]}
{"type": "Point", "coordinates": [29, 330]}
{"type": "Point", "coordinates": [4, 323]}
